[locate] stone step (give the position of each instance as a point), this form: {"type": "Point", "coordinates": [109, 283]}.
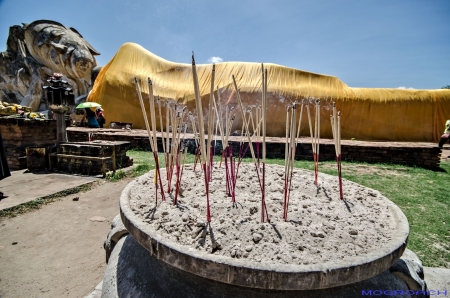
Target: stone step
{"type": "Point", "coordinates": [103, 149]}
{"type": "Point", "coordinates": [87, 165]}
{"type": "Point", "coordinates": [85, 150]}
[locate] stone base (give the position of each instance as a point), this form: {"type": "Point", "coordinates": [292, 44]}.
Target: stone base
{"type": "Point", "coordinates": [133, 272]}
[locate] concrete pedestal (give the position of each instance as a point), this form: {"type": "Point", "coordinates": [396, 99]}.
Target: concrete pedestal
{"type": "Point", "coordinates": [133, 272]}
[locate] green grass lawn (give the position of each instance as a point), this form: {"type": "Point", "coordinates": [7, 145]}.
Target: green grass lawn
{"type": "Point", "coordinates": [423, 195]}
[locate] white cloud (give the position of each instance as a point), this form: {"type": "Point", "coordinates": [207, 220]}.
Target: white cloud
{"type": "Point", "coordinates": [215, 60]}
{"type": "Point", "coordinates": [409, 88]}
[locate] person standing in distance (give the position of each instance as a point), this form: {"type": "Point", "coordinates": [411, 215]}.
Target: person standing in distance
{"type": "Point", "coordinates": [91, 118]}
{"type": "Point", "coordinates": [446, 136]}
{"type": "Point", "coordinates": [100, 116]}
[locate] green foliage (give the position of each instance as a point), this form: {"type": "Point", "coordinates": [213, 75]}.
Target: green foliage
{"type": "Point", "coordinates": [141, 170]}
{"type": "Point", "coordinates": [140, 156]}
{"type": "Point", "coordinates": [20, 209]}
{"type": "Point", "coordinates": [446, 87]}
{"type": "Point", "coordinates": [40, 202]}
{"type": "Point", "coordinates": [116, 175]}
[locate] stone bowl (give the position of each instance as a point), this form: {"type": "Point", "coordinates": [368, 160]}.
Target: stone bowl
{"type": "Point", "coordinates": [241, 272]}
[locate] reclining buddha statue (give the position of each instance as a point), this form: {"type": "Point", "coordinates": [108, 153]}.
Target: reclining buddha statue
{"type": "Point", "coordinates": [385, 114]}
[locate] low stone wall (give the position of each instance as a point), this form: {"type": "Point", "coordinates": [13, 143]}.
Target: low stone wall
{"type": "Point", "coordinates": [425, 155]}
{"type": "Point", "coordinates": [138, 138]}
{"type": "Point", "coordinates": [19, 133]}
{"type": "Point", "coordinates": [410, 154]}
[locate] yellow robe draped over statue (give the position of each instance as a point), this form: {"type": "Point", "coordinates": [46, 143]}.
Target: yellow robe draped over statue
{"type": "Point", "coordinates": [385, 114]}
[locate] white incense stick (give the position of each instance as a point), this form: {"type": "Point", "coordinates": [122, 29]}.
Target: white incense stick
{"type": "Point", "coordinates": [318, 128]}
{"type": "Point", "coordinates": [167, 126]}
{"type": "Point", "coordinates": [198, 105]}
{"type": "Point", "coordinates": [299, 122]}
{"type": "Point", "coordinates": [334, 127]}
{"type": "Point", "coordinates": [219, 118]}
{"type": "Point", "coordinates": [293, 136]}
{"type": "Point", "coordinates": [210, 117]}
{"type": "Point", "coordinates": [243, 118]}
{"type": "Point", "coordinates": [264, 114]}
{"type": "Point", "coordinates": [194, 129]}
{"type": "Point", "coordinates": [227, 133]}
{"type": "Point", "coordinates": [339, 133]}
{"type": "Point", "coordinates": [310, 128]}
{"type": "Point", "coordinates": [253, 123]}
{"type": "Point", "coordinates": [152, 113]}
{"type": "Point", "coordinates": [286, 141]}
{"type": "Point", "coordinates": [144, 113]}
{"type": "Point", "coordinates": [161, 128]}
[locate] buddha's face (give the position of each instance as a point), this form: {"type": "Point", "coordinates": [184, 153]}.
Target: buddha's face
{"type": "Point", "coordinates": [61, 49]}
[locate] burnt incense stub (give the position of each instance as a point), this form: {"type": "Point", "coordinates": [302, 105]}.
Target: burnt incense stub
{"type": "Point", "coordinates": [325, 242]}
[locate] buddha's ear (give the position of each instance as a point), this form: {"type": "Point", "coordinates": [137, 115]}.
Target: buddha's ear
{"type": "Point", "coordinates": [91, 48]}
{"type": "Point", "coordinates": [16, 34]}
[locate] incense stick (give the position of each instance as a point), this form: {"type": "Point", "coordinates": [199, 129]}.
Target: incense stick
{"type": "Point", "coordinates": [210, 123]}
{"type": "Point", "coordinates": [155, 144]}
{"type": "Point", "coordinates": [178, 125]}
{"type": "Point", "coordinates": [317, 140]}
{"type": "Point", "coordinates": [299, 121]}
{"type": "Point", "coordinates": [286, 147]}
{"type": "Point", "coordinates": [161, 128]}
{"type": "Point", "coordinates": [198, 105]}
{"type": "Point", "coordinates": [152, 113]}
{"type": "Point", "coordinates": [265, 213]}
{"type": "Point", "coordinates": [286, 158]}
{"type": "Point", "coordinates": [289, 160]}
{"type": "Point", "coordinates": [147, 126]}
{"type": "Point", "coordinates": [339, 156]}
{"type": "Point", "coordinates": [264, 113]}
{"type": "Point", "coordinates": [315, 137]}
{"type": "Point", "coordinates": [336, 130]}
{"type": "Point", "coordinates": [244, 120]}
{"type": "Point", "coordinates": [167, 153]}
{"type": "Point", "coordinates": [144, 113]}
{"type": "Point", "coordinates": [218, 117]}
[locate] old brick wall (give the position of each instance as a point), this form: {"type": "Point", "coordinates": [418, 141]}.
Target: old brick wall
{"type": "Point", "coordinates": [18, 134]}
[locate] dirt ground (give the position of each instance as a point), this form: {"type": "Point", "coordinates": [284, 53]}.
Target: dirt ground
{"type": "Point", "coordinates": [57, 251]}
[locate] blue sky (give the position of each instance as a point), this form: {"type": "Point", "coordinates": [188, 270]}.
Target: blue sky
{"type": "Point", "coordinates": [366, 43]}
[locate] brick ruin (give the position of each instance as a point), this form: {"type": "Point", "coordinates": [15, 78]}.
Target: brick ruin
{"type": "Point", "coordinates": [33, 144]}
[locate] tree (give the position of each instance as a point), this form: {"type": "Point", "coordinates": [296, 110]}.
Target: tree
{"type": "Point", "coordinates": [446, 87]}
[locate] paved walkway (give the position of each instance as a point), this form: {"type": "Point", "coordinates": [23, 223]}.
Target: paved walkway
{"type": "Point", "coordinates": [23, 186]}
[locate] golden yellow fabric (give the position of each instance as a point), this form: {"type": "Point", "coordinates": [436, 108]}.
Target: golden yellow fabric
{"type": "Point", "coordinates": [366, 113]}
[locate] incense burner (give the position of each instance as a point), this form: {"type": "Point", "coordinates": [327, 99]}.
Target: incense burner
{"type": "Point", "coordinates": [326, 242]}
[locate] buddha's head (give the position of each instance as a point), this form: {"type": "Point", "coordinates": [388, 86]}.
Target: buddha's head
{"type": "Point", "coordinates": [61, 49]}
